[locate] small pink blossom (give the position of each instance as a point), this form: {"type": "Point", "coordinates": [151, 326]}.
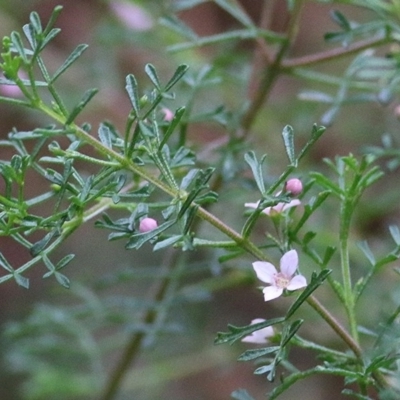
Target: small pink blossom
{"type": "Point", "coordinates": [131, 15]}
{"type": "Point", "coordinates": [280, 281]}
{"type": "Point", "coordinates": [147, 225]}
{"type": "Point", "coordinates": [277, 209]}
{"type": "Point", "coordinates": [168, 114]}
{"type": "Point", "coordinates": [294, 186]}
{"type": "Point", "coordinates": [260, 336]}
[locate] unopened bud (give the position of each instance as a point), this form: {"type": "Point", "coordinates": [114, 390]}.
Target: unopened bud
{"type": "Point", "coordinates": [294, 186]}
{"type": "Point", "coordinates": [147, 225]}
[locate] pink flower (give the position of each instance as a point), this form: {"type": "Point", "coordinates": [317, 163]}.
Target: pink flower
{"type": "Point", "coordinates": [280, 281]}
{"type": "Point", "coordinates": [132, 16]}
{"type": "Point", "coordinates": [168, 114]}
{"type": "Point", "coordinates": [294, 186]}
{"type": "Point", "coordinates": [277, 209]}
{"type": "Point", "coordinates": [147, 225]}
{"type": "Point", "coordinates": [260, 336]}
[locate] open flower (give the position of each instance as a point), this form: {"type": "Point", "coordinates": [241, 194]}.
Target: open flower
{"type": "Point", "coordinates": [278, 208]}
{"type": "Point", "coordinates": [260, 336]}
{"type": "Point", "coordinates": [280, 281]}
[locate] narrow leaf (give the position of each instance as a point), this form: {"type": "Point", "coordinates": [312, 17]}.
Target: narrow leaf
{"type": "Point", "coordinates": [394, 231]}
{"type": "Point", "coordinates": [316, 281]}
{"type": "Point", "coordinates": [87, 96]}
{"type": "Point", "coordinates": [62, 280]}
{"type": "Point", "coordinates": [367, 251]}
{"type": "Point", "coordinates": [132, 89]}
{"type": "Point", "coordinates": [180, 71]}
{"type": "Point", "coordinates": [17, 42]}
{"type": "Point", "coordinates": [256, 168]}
{"type": "Point", "coordinates": [173, 124]}
{"type": "Point", "coordinates": [35, 21]}
{"type": "Point", "coordinates": [235, 333]}
{"type": "Point", "coordinates": [255, 353]}
{"type": "Point", "coordinates": [241, 394]}
{"type": "Point", "coordinates": [288, 140]}
{"type": "Point", "coordinates": [167, 242]}
{"type": "Point", "coordinates": [105, 135]}
{"type": "Point", "coordinates": [21, 281]}
{"type": "Point", "coordinates": [64, 261]}
{"type": "Point", "coordinates": [152, 74]}
{"type": "Point", "coordinates": [70, 60]}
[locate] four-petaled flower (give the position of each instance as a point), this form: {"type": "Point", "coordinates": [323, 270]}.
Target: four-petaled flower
{"type": "Point", "coordinates": [277, 209]}
{"type": "Point", "coordinates": [280, 281]}
{"type": "Point", "coordinates": [260, 336]}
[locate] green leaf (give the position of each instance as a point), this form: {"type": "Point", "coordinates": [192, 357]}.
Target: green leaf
{"type": "Point", "coordinates": [341, 20]}
{"type": "Point", "coordinates": [316, 133]}
{"type": "Point", "coordinates": [316, 281]}
{"type": "Point", "coordinates": [179, 72]}
{"type": "Point", "coordinates": [179, 27]}
{"type": "Point", "coordinates": [199, 184]}
{"type": "Point", "coordinates": [395, 232]}
{"type": "Point", "coordinates": [288, 140]}
{"type": "Point", "coordinates": [132, 89]}
{"type": "Point", "coordinates": [167, 242]}
{"type": "Point", "coordinates": [367, 251]}
{"type": "Point", "coordinates": [5, 264]}
{"type": "Point", "coordinates": [289, 331]}
{"type": "Point", "coordinates": [70, 60]}
{"type": "Point", "coordinates": [241, 394]}
{"type": "Point", "coordinates": [249, 355]}
{"type": "Point", "coordinates": [256, 168]}
{"type": "Point", "coordinates": [138, 240]}
{"type": "Point", "coordinates": [41, 244]}
{"type": "Point", "coordinates": [62, 280]}
{"type": "Point", "coordinates": [235, 333]}
{"type": "Point", "coordinates": [64, 261]}
{"type": "Point", "coordinates": [152, 74]}
{"type": "Point", "coordinates": [88, 95]}
{"type": "Point", "coordinates": [173, 124]}
{"type": "Point", "coordinates": [105, 135]}
{"type": "Point", "coordinates": [35, 21]}
{"type": "Point", "coordinates": [52, 34]}
{"type": "Point", "coordinates": [17, 42]}
{"type": "Point", "coordinates": [21, 280]}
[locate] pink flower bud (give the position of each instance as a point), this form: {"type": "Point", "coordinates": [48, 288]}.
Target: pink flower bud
{"type": "Point", "coordinates": [147, 225]}
{"type": "Point", "coordinates": [294, 186]}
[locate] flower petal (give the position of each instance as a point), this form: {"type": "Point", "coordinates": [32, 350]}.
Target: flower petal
{"type": "Point", "coordinates": [297, 282]}
{"type": "Point", "coordinates": [260, 336]}
{"type": "Point", "coordinates": [265, 271]}
{"type": "Point", "coordinates": [291, 204]}
{"type": "Point", "coordinates": [271, 292]}
{"type": "Point", "coordinates": [289, 263]}
{"type": "Point", "coordinates": [252, 205]}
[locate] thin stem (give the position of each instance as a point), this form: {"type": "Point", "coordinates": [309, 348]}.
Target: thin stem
{"type": "Point", "coordinates": [335, 325]}
{"type": "Point", "coordinates": [336, 53]}
{"type": "Point", "coordinates": [348, 295]}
